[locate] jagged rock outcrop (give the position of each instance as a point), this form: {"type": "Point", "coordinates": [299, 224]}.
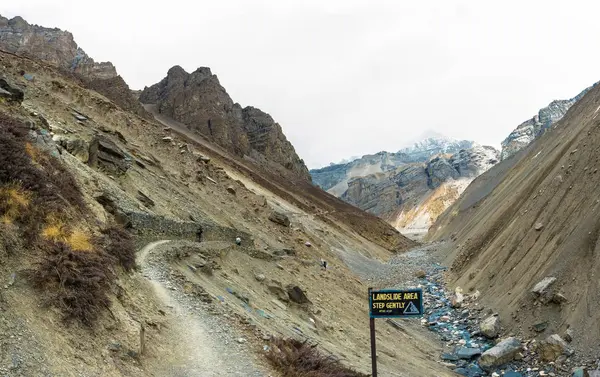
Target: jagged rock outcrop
{"type": "Point", "coordinates": [58, 48]}
{"type": "Point", "coordinates": [532, 128]}
{"type": "Point", "coordinates": [198, 100]}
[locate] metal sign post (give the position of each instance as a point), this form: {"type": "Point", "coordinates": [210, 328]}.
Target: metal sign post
{"type": "Point", "coordinates": [392, 303]}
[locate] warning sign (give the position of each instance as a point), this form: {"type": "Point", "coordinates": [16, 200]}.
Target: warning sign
{"type": "Point", "coordinates": [396, 303]}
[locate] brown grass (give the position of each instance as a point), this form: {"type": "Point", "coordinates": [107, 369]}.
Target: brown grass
{"type": "Point", "coordinates": [39, 202]}
{"type": "Point", "coordinates": [118, 243]}
{"type": "Point", "coordinates": [294, 358]}
{"type": "Point", "coordinates": [76, 283]}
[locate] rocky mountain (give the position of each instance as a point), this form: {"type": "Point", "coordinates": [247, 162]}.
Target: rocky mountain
{"type": "Point", "coordinates": [532, 128]}
{"type": "Point", "coordinates": [526, 234]}
{"type": "Point", "coordinates": [434, 144]}
{"type": "Point", "coordinates": [412, 187]}
{"type": "Point", "coordinates": [412, 195]}
{"type": "Point", "coordinates": [58, 48]}
{"type": "Point", "coordinates": [199, 101]}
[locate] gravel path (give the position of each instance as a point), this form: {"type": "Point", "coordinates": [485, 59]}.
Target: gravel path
{"type": "Point", "coordinates": [211, 346]}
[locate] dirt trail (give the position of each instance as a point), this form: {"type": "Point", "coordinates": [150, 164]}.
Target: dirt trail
{"type": "Point", "coordinates": [207, 346]}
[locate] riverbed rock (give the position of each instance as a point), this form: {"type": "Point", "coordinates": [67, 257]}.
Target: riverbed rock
{"type": "Point", "coordinates": [490, 327]}
{"type": "Point", "coordinates": [552, 347]}
{"type": "Point", "coordinates": [580, 372]}
{"type": "Point", "coordinates": [502, 353]}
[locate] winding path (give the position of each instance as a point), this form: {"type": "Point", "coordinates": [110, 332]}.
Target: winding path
{"type": "Point", "coordinates": [208, 346]}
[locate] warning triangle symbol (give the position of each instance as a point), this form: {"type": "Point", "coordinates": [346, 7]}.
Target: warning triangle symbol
{"type": "Point", "coordinates": [411, 309]}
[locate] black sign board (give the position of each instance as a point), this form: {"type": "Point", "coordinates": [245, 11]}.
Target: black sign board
{"type": "Point", "coordinates": [392, 303]}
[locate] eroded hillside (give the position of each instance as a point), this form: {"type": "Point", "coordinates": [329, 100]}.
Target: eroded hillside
{"type": "Point", "coordinates": [533, 218]}
{"type": "Point", "coordinates": [159, 182]}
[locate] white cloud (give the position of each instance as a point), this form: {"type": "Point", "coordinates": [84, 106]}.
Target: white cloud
{"type": "Point", "coordinates": [348, 78]}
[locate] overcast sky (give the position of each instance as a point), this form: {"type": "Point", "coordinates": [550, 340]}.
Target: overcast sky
{"type": "Point", "coordinates": [348, 77]}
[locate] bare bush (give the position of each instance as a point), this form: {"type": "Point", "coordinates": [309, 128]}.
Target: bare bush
{"type": "Point", "coordinates": [294, 358]}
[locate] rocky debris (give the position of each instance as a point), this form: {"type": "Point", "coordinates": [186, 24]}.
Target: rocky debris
{"type": "Point", "coordinates": [543, 289]}
{"type": "Point", "coordinates": [502, 353]}
{"type": "Point", "coordinates": [145, 199]}
{"type": "Point", "coordinates": [279, 218]}
{"type": "Point", "coordinates": [552, 347]}
{"type": "Point", "coordinates": [79, 117]}
{"type": "Point", "coordinates": [260, 277]}
{"type": "Point", "coordinates": [297, 295]}
{"type": "Point", "coordinates": [490, 327]}
{"type": "Point", "coordinates": [106, 154]}
{"type": "Point", "coordinates": [421, 274]}
{"type": "Point", "coordinates": [539, 226]}
{"type": "Point", "coordinates": [540, 326]}
{"type": "Point", "coordinates": [558, 298]}
{"type": "Point", "coordinates": [231, 190]}
{"type": "Point", "coordinates": [10, 92]}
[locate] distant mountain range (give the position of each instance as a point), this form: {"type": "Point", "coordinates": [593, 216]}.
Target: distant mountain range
{"type": "Point", "coordinates": [411, 187]}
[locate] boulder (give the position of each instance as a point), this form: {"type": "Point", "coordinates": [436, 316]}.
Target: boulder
{"type": "Point", "coordinates": [10, 92]}
{"type": "Point", "coordinates": [552, 347]}
{"type": "Point", "coordinates": [106, 154]}
{"type": "Point", "coordinates": [490, 327]}
{"type": "Point", "coordinates": [77, 147]}
{"type": "Point", "coordinates": [502, 353]}
{"type": "Point", "coordinates": [279, 218]}
{"type": "Point", "coordinates": [568, 335]}
{"type": "Point", "coordinates": [297, 295]}
{"type": "Point", "coordinates": [457, 298]}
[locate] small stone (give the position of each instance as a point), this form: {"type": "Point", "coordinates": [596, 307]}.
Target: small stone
{"type": "Point", "coordinates": [231, 190]}
{"type": "Point", "coordinates": [114, 347]}
{"type": "Point", "coordinates": [542, 289]}
{"type": "Point", "coordinates": [260, 277]}
{"type": "Point", "coordinates": [569, 335]}
{"type": "Point", "coordinates": [541, 326]}
{"type": "Point", "coordinates": [241, 340]}
{"type": "Point", "coordinates": [559, 298]}
{"type": "Point", "coordinates": [445, 318]}
{"type": "Point", "coordinates": [539, 226]}
{"type": "Point", "coordinates": [167, 139]}
{"type": "Point", "coordinates": [307, 244]}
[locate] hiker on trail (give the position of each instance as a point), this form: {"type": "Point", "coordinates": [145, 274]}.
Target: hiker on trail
{"type": "Point", "coordinates": [238, 241]}
{"type": "Point", "coordinates": [324, 264]}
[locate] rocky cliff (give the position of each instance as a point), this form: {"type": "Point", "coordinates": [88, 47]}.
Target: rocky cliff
{"type": "Point", "coordinates": [58, 48]}
{"type": "Point", "coordinates": [334, 178]}
{"type": "Point", "coordinates": [198, 100]}
{"type": "Point", "coordinates": [532, 128]}
{"type": "Point", "coordinates": [413, 195]}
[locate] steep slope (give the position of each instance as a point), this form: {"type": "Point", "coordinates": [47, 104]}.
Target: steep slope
{"type": "Point", "coordinates": [199, 101]}
{"type": "Point", "coordinates": [58, 48]}
{"type": "Point", "coordinates": [531, 129]}
{"type": "Point", "coordinates": [532, 216]}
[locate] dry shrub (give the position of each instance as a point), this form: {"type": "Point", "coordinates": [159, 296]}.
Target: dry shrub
{"type": "Point", "coordinates": [79, 240]}
{"type": "Point", "coordinates": [77, 283]}
{"type": "Point", "coordinates": [14, 201]}
{"type": "Point", "coordinates": [119, 244]}
{"type": "Point", "coordinates": [294, 358]}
